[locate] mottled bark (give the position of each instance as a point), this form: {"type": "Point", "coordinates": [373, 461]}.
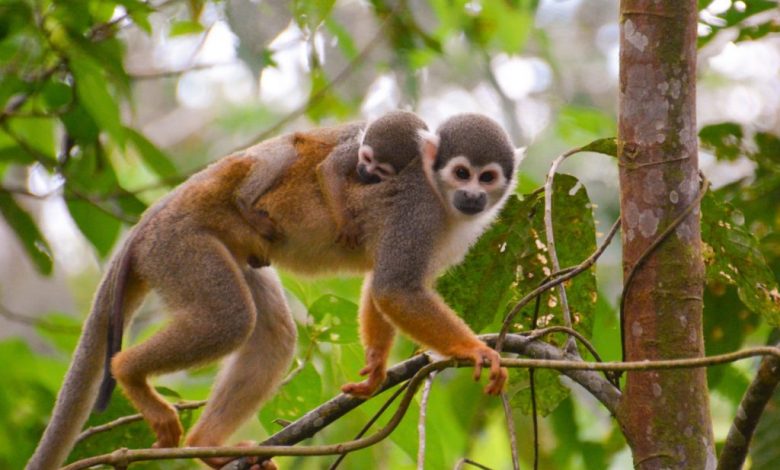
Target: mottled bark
{"type": "Point", "coordinates": [664, 414]}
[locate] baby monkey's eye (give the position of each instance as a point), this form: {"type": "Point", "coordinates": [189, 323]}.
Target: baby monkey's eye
{"type": "Point", "coordinates": [462, 173]}
{"type": "Point", "coordinates": [487, 177]}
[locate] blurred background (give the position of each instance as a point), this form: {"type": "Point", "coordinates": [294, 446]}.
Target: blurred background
{"type": "Point", "coordinates": [107, 105]}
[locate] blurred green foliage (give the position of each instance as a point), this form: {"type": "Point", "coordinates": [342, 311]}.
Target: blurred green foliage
{"type": "Point", "coordinates": [65, 95]}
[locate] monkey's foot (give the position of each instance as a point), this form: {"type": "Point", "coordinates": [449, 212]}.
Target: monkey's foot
{"type": "Point", "coordinates": [376, 376]}
{"type": "Point", "coordinates": [498, 374]}
{"type": "Point", "coordinates": [168, 431]}
{"type": "Point", "coordinates": [350, 234]}
{"type": "Point", "coordinates": [219, 462]}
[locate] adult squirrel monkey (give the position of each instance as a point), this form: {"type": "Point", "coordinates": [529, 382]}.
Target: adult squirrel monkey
{"type": "Point", "coordinates": [195, 248]}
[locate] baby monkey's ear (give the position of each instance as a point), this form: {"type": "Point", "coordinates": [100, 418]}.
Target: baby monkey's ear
{"type": "Point", "coordinates": [429, 146]}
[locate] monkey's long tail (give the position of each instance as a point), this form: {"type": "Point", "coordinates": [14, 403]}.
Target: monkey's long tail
{"type": "Point", "coordinates": [80, 387]}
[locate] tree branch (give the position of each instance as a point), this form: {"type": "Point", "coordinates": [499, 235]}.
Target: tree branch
{"type": "Point", "coordinates": [426, 393]}
{"type": "Point", "coordinates": [750, 409]}
{"type": "Point", "coordinates": [572, 368]}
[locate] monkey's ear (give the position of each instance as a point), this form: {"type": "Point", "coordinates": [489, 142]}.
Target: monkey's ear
{"type": "Point", "coordinates": [429, 145]}
{"type": "Point", "coordinates": [365, 154]}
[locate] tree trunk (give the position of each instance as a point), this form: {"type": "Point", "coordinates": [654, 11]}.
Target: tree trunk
{"type": "Point", "coordinates": [664, 415]}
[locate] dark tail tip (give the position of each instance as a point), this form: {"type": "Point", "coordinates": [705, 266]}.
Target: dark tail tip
{"type": "Point", "coordinates": [104, 396]}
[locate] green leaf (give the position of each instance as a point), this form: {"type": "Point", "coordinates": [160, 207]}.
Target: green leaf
{"type": "Point", "coordinates": [94, 95]}
{"type": "Point", "coordinates": [151, 155]}
{"type": "Point", "coordinates": [183, 28]}
{"type": "Point", "coordinates": [57, 94]}
{"type": "Point", "coordinates": [310, 13]}
{"type": "Point", "coordinates": [136, 435]}
{"type": "Point", "coordinates": [101, 229]}
{"type": "Point", "coordinates": [338, 317]}
{"type": "Point", "coordinates": [727, 323]}
{"type": "Point", "coordinates": [733, 257]}
{"type": "Point", "coordinates": [28, 387]}
{"type": "Point", "coordinates": [80, 125]}
{"type": "Point", "coordinates": [37, 135]}
{"type": "Point", "coordinates": [345, 41]}
{"type": "Point", "coordinates": [15, 154]}
{"type": "Point", "coordinates": [23, 225]}
{"type": "Point", "coordinates": [725, 139]}
{"type": "Point", "coordinates": [513, 255]}
{"type": "Point", "coordinates": [139, 11]}
{"type": "Point", "coordinates": [302, 394]}
{"type": "Point", "coordinates": [324, 102]}
{"type": "Point", "coordinates": [735, 16]}
{"type": "Point", "coordinates": [549, 391]}
{"type": "Point", "coordinates": [61, 331]}
{"type": "Point", "coordinates": [607, 146]}
{"type": "Point", "coordinates": [168, 392]}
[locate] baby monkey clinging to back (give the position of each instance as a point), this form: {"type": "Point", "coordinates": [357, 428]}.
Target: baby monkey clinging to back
{"type": "Point", "coordinates": [388, 144]}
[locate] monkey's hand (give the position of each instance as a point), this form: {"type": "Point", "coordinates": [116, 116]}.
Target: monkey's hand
{"type": "Point", "coordinates": [498, 375]}
{"type": "Point", "coordinates": [375, 370]}
{"type": "Point", "coordinates": [350, 233]}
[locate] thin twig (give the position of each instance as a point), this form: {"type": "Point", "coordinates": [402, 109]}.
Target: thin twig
{"type": "Point", "coordinates": [38, 322]}
{"type": "Point", "coordinates": [549, 232]}
{"type": "Point", "coordinates": [371, 421]}
{"type": "Point", "coordinates": [158, 74]}
{"type": "Point", "coordinates": [421, 422]}
{"type": "Point", "coordinates": [563, 276]}
{"type": "Point", "coordinates": [464, 461]}
{"type": "Point", "coordinates": [97, 204]}
{"type": "Point", "coordinates": [105, 427]}
{"type": "Point", "coordinates": [532, 385]}
{"type": "Point", "coordinates": [534, 415]}
{"type": "Point", "coordinates": [129, 456]}
{"type": "Point", "coordinates": [536, 334]}
{"type": "Point", "coordinates": [510, 427]}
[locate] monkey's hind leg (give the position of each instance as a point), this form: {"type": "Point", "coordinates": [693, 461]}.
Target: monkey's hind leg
{"type": "Point", "coordinates": [213, 313]}
{"type": "Point", "coordinates": [252, 374]}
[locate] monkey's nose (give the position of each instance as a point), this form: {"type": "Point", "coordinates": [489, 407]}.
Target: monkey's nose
{"type": "Point", "coordinates": [470, 203]}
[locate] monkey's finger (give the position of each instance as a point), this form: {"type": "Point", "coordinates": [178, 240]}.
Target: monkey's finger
{"type": "Point", "coordinates": [477, 366]}
{"type": "Point", "coordinates": [495, 367]}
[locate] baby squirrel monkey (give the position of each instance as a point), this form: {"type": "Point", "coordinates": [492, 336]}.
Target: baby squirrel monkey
{"type": "Point", "coordinates": [193, 248]}
{"type": "Point", "coordinates": [371, 156]}
{"type": "Point", "coordinates": [388, 144]}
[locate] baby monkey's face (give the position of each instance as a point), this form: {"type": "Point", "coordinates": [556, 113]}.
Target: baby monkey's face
{"type": "Point", "coordinates": [371, 168]}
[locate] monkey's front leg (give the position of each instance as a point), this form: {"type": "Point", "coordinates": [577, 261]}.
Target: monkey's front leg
{"type": "Point", "coordinates": [376, 334]}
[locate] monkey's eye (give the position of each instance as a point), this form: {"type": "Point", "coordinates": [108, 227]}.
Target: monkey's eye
{"type": "Point", "coordinates": [462, 173]}
{"type": "Point", "coordinates": [487, 177]}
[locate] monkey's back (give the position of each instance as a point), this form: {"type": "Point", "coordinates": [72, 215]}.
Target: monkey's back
{"type": "Point", "coordinates": [297, 205]}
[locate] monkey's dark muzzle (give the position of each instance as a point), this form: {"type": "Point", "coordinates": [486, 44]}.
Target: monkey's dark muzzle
{"type": "Point", "coordinates": [470, 203]}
